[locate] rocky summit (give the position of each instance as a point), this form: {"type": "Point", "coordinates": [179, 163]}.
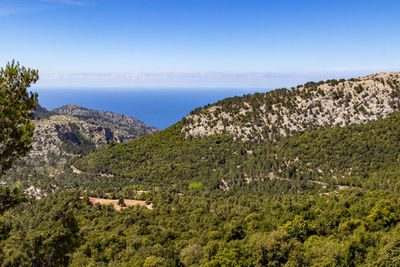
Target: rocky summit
{"type": "Point", "coordinates": [313, 105]}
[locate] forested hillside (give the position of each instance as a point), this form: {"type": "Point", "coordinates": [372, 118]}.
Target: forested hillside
{"type": "Point", "coordinates": [328, 157]}
{"type": "Point", "coordinates": [354, 227]}
{"type": "Point", "coordinates": [356, 155]}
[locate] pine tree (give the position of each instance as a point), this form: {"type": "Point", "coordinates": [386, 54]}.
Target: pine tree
{"type": "Point", "coordinates": [16, 130]}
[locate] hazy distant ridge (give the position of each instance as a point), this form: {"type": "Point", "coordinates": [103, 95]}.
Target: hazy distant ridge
{"type": "Point", "coordinates": [133, 127]}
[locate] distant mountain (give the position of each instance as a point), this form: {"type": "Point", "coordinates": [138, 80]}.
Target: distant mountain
{"type": "Point", "coordinates": [310, 106]}
{"type": "Point", "coordinates": [131, 127]}
{"type": "Point", "coordinates": [64, 134]}
{"type": "Point", "coordinates": [60, 138]}
{"type": "Point", "coordinates": [73, 128]}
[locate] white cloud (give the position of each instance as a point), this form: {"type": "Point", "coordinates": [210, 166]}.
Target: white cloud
{"type": "Point", "coordinates": [163, 76]}
{"type": "Point", "coordinates": [187, 79]}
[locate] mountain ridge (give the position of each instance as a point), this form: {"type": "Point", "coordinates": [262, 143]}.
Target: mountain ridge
{"type": "Point", "coordinates": [133, 127]}
{"type": "Point", "coordinates": [282, 112]}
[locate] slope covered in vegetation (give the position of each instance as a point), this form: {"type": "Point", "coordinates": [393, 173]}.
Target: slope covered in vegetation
{"type": "Point", "coordinates": [351, 228]}
{"type": "Point", "coordinates": [356, 155]}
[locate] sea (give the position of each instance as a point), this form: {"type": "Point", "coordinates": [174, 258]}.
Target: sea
{"type": "Point", "coordinates": [158, 107]}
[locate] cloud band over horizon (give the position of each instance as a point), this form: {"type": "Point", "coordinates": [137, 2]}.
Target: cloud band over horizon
{"type": "Point", "coordinates": [189, 79]}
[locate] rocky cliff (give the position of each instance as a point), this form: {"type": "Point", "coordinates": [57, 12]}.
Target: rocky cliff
{"type": "Point", "coordinates": [127, 126]}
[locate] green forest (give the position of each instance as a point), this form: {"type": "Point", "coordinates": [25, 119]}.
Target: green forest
{"type": "Point", "coordinates": [351, 218]}
{"type": "Point", "coordinates": [364, 156]}
{"type": "Point", "coordinates": [356, 227]}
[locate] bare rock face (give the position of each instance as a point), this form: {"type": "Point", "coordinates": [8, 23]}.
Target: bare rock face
{"type": "Point", "coordinates": [128, 127]}
{"type": "Point", "coordinates": [314, 105]}
{"type": "Point", "coordinates": [72, 130]}
{"type": "Point", "coordinates": [57, 132]}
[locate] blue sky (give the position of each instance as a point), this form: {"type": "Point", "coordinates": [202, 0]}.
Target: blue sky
{"type": "Point", "coordinates": [199, 43]}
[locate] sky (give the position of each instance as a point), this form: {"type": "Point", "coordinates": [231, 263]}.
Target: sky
{"type": "Point", "coordinates": [199, 43]}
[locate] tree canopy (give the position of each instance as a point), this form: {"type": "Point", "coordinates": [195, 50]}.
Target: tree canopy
{"type": "Point", "coordinates": [16, 130]}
